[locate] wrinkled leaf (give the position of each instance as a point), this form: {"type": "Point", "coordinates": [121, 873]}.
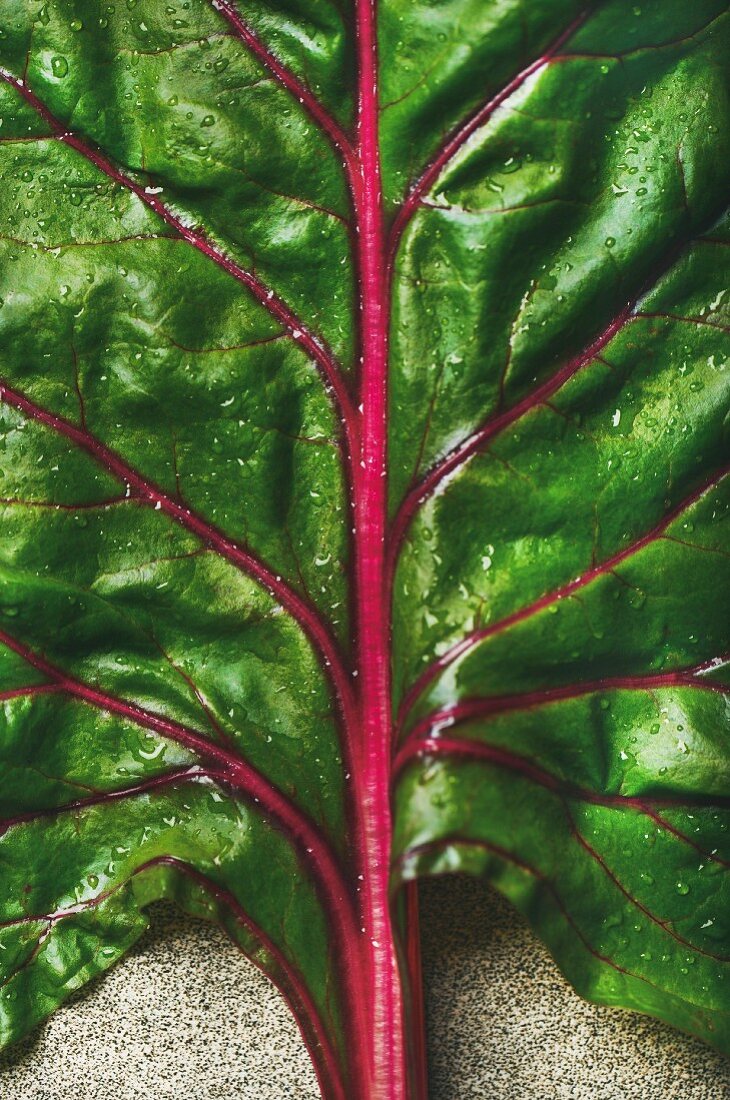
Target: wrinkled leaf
{"type": "Point", "coordinates": [363, 450]}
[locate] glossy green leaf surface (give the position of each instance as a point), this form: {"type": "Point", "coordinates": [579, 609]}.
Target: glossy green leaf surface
{"type": "Point", "coordinates": [363, 454]}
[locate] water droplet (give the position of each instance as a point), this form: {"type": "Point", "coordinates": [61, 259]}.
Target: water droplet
{"type": "Point", "coordinates": [76, 25]}
{"type": "Point", "coordinates": [610, 242]}
{"type": "Point", "coordinates": [59, 66]}
{"type": "Point", "coordinates": [637, 598]}
{"type": "Point", "coordinates": [682, 888]}
{"type": "Point", "coordinates": [208, 120]}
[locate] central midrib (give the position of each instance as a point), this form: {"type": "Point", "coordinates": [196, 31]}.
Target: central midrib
{"type": "Point", "coordinates": [383, 1047]}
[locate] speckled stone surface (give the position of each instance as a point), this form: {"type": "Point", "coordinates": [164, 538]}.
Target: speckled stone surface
{"type": "Point", "coordinates": [185, 1016]}
{"type": "Point", "coordinates": [504, 1025]}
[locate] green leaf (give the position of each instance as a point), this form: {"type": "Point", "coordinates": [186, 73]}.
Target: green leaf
{"type": "Point", "coordinates": [363, 458]}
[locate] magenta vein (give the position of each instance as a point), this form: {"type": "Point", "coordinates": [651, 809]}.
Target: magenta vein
{"type": "Point", "coordinates": [665, 925]}
{"type": "Point", "coordinates": [288, 80]}
{"type": "Point", "coordinates": [158, 782]}
{"type": "Point", "coordinates": [493, 426]}
{"type": "Point", "coordinates": [488, 706]}
{"type": "Point", "coordinates": [232, 551]}
{"type": "Point", "coordinates": [462, 134]}
{"type": "Point", "coordinates": [235, 771]}
{"type": "Point", "coordinates": [437, 744]}
{"type": "Point", "coordinates": [28, 692]}
{"type": "Point", "coordinates": [468, 643]}
{"type": "Point", "coordinates": [510, 857]}
{"type": "Point", "coordinates": [313, 345]}
{"type": "Point", "coordinates": [287, 977]}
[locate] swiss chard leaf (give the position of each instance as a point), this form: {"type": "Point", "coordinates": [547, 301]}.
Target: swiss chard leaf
{"type": "Point", "coordinates": [363, 469]}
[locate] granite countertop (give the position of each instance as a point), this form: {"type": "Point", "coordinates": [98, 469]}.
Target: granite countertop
{"type": "Point", "coordinates": [186, 1016]}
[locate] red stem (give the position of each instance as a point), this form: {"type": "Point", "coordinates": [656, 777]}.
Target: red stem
{"type": "Point", "coordinates": [384, 1041]}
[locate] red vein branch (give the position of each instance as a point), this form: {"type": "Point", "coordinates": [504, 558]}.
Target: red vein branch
{"type": "Point", "coordinates": [103, 798]}
{"type": "Point", "coordinates": [468, 643]}
{"type": "Point", "coordinates": [438, 745]}
{"type": "Point", "coordinates": [665, 925]}
{"type": "Point", "coordinates": [287, 978]}
{"type": "Point", "coordinates": [28, 692]}
{"type": "Point", "coordinates": [312, 344]}
{"type": "Point", "coordinates": [149, 493]}
{"type": "Point", "coordinates": [540, 876]}
{"type": "Point", "coordinates": [327, 124]}
{"type": "Point", "coordinates": [489, 706]}
{"type": "Point", "coordinates": [237, 773]}
{"type": "Point", "coordinates": [459, 137]}
{"type": "Point", "coordinates": [493, 426]}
